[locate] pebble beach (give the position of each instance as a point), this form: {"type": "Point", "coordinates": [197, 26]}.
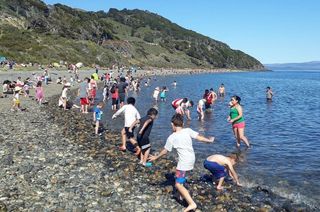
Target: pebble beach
{"type": "Point", "coordinates": [50, 160]}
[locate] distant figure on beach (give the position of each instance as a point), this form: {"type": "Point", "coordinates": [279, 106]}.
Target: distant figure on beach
{"type": "Point", "coordinates": [93, 86]}
{"type": "Point", "coordinates": [221, 166]}
{"type": "Point", "coordinates": [105, 93]}
{"type": "Point", "coordinates": [122, 89]}
{"type": "Point", "coordinates": [114, 96]}
{"type": "Point", "coordinates": [97, 116]}
{"type": "Point", "coordinates": [16, 99]}
{"type": "Point", "coordinates": [83, 94]}
{"type": "Point", "coordinates": [181, 140]}
{"type": "Point", "coordinates": [182, 106]}
{"type": "Point", "coordinates": [269, 94]}
{"type": "Point", "coordinates": [144, 131]}
{"type": "Point", "coordinates": [39, 92]}
{"type": "Point", "coordinates": [156, 94]}
{"type": "Point", "coordinates": [64, 96]}
{"type": "Point", "coordinates": [131, 115]}
{"type": "Point", "coordinates": [236, 119]}
{"type": "Point", "coordinates": [200, 108]}
{"type": "Point", "coordinates": [222, 90]}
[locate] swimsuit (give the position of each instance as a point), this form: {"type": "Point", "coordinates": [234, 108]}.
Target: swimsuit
{"type": "Point", "coordinates": [217, 170]}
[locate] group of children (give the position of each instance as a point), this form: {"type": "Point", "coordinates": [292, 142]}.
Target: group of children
{"type": "Point", "coordinates": [181, 139]}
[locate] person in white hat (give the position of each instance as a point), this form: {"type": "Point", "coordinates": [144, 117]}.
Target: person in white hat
{"type": "Point", "coordinates": [16, 99]}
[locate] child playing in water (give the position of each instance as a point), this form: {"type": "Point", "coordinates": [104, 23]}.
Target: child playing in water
{"type": "Point", "coordinates": [145, 128]}
{"type": "Point", "coordinates": [269, 94]}
{"type": "Point", "coordinates": [156, 93]}
{"type": "Point", "coordinates": [131, 115]}
{"type": "Point", "coordinates": [181, 139]}
{"type": "Point", "coordinates": [97, 115]}
{"type": "Point", "coordinates": [218, 165]}
{"type": "Point", "coordinates": [163, 94]}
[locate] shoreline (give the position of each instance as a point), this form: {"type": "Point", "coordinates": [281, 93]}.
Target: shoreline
{"type": "Point", "coordinates": [52, 161]}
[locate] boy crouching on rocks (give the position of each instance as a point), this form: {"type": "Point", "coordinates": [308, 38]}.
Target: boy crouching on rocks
{"type": "Point", "coordinates": [218, 165]}
{"type": "Point", "coordinates": [181, 139]}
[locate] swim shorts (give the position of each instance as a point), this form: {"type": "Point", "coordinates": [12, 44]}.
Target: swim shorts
{"type": "Point", "coordinates": [239, 125]}
{"type": "Point", "coordinates": [84, 101]}
{"type": "Point", "coordinates": [180, 176]}
{"type": "Point", "coordinates": [217, 170]}
{"type": "Point", "coordinates": [129, 134]}
{"type": "Point", "coordinates": [144, 143]}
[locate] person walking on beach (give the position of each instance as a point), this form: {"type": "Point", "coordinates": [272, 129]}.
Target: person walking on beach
{"type": "Point", "coordinates": [269, 94]}
{"type": "Point", "coordinates": [83, 93]}
{"type": "Point", "coordinates": [114, 96]}
{"type": "Point", "coordinates": [221, 166]}
{"type": "Point", "coordinates": [144, 131]}
{"type": "Point", "coordinates": [39, 92]}
{"type": "Point", "coordinates": [236, 119]}
{"type": "Point", "coordinates": [97, 115]}
{"type": "Point", "coordinates": [131, 115]}
{"type": "Point", "coordinates": [181, 140]}
{"type": "Point", "coordinates": [16, 99]}
{"type": "Point", "coordinates": [222, 90]}
{"type": "Point", "coordinates": [122, 89]}
{"type": "Point", "coordinates": [64, 95]}
{"type": "Point", "coordinates": [93, 86]}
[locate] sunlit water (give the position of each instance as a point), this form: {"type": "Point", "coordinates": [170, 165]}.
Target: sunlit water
{"type": "Point", "coordinates": [285, 133]}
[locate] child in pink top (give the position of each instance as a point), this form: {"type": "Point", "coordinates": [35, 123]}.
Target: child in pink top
{"type": "Point", "coordinates": [39, 92]}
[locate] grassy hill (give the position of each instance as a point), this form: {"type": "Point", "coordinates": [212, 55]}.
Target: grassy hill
{"type": "Point", "coordinates": [31, 31]}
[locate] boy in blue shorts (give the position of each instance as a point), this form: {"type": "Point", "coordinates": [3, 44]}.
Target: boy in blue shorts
{"type": "Point", "coordinates": [220, 166]}
{"type": "Point", "coordinates": [97, 115]}
{"type": "Point", "coordinates": [181, 139]}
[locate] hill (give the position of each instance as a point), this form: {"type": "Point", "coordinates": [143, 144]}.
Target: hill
{"type": "Point", "coordinates": [314, 65]}
{"type": "Point", "coordinates": [31, 31]}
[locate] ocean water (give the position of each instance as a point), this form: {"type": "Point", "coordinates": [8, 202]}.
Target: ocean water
{"type": "Point", "coordinates": [285, 133]}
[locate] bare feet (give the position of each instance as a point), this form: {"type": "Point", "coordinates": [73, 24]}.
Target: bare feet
{"type": "Point", "coordinates": [191, 207]}
{"type": "Point", "coordinates": [219, 188]}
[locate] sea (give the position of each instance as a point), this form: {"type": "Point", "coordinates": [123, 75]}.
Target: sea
{"type": "Point", "coordinates": [284, 133]}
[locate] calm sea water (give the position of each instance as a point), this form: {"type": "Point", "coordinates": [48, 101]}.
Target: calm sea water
{"type": "Point", "coordinates": [285, 133]}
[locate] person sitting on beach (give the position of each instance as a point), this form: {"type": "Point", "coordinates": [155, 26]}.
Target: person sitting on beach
{"type": "Point", "coordinates": [97, 115]}
{"type": "Point", "coordinates": [220, 166]}
{"type": "Point", "coordinates": [181, 140]}
{"type": "Point", "coordinates": [222, 90]}
{"type": "Point", "coordinates": [269, 94]}
{"type": "Point", "coordinates": [131, 114]}
{"type": "Point", "coordinates": [144, 131]}
{"type": "Point", "coordinates": [182, 106]}
{"type": "Point", "coordinates": [200, 108]}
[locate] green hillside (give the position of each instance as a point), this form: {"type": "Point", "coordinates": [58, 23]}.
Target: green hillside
{"type": "Point", "coordinates": [31, 31]}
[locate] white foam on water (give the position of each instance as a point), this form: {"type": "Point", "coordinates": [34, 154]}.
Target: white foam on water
{"type": "Point", "coordinates": [285, 193]}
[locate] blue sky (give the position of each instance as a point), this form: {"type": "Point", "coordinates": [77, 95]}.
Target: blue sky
{"type": "Point", "coordinates": [273, 31]}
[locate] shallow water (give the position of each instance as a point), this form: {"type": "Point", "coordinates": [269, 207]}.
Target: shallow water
{"type": "Point", "coordinates": [285, 132]}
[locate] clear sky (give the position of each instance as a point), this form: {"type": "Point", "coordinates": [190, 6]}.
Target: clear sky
{"type": "Point", "coordinates": [273, 31]}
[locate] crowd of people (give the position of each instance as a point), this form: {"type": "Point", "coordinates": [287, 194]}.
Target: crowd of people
{"type": "Point", "coordinates": [181, 138]}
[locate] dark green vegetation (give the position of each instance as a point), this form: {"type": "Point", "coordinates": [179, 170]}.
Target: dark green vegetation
{"type": "Point", "coordinates": [31, 31]}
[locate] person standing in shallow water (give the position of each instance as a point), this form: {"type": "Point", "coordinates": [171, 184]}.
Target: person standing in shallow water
{"type": "Point", "coordinates": [269, 94]}
{"type": "Point", "coordinates": [237, 120]}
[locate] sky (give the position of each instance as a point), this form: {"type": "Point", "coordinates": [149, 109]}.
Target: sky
{"type": "Point", "coordinates": [272, 31]}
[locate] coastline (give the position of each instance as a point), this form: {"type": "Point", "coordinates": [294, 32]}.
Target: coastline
{"type": "Point", "coordinates": [50, 160]}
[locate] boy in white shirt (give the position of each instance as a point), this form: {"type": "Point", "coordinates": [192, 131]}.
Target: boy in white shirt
{"type": "Point", "coordinates": [131, 114]}
{"type": "Point", "coordinates": [181, 139]}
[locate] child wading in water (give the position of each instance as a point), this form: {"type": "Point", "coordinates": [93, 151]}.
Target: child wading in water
{"type": "Point", "coordinates": [145, 128]}
{"type": "Point", "coordinates": [181, 139]}
{"type": "Point", "coordinates": [97, 115]}
{"type": "Point", "coordinates": [218, 165]}
{"type": "Point", "coordinates": [131, 115]}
